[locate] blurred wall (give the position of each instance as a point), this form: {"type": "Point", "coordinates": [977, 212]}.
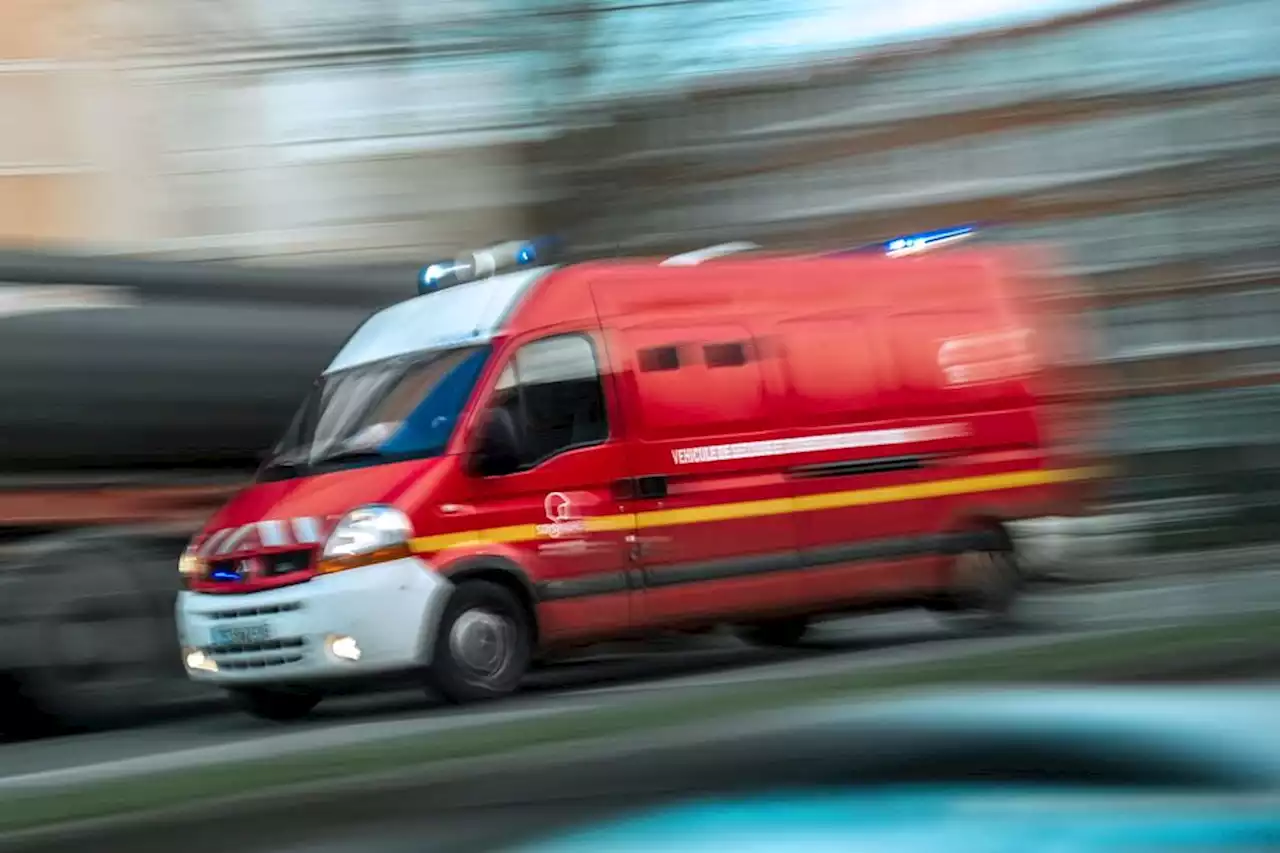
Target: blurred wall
{"type": "Point", "coordinates": [43, 185]}
{"type": "Point", "coordinates": [236, 129]}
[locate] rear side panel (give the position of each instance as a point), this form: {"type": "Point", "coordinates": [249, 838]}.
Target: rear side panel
{"type": "Point", "coordinates": [981, 352]}
{"type": "Point", "coordinates": [918, 409]}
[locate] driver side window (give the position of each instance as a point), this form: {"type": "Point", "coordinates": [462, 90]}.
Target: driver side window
{"type": "Point", "coordinates": [553, 393]}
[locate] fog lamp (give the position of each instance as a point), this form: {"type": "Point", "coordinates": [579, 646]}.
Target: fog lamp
{"type": "Point", "coordinates": [343, 647]}
{"type": "Point", "coordinates": [198, 661]}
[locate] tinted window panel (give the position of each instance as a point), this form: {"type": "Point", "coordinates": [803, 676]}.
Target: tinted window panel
{"type": "Point", "coordinates": [556, 398]}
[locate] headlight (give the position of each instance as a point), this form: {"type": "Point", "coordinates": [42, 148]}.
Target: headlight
{"type": "Point", "coordinates": [367, 535]}
{"type": "Point", "coordinates": [190, 564]}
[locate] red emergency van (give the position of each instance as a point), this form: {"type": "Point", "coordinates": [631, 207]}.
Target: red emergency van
{"type": "Point", "coordinates": [553, 456]}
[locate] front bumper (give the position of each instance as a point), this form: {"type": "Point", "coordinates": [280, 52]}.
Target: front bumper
{"type": "Point", "coordinates": [391, 611]}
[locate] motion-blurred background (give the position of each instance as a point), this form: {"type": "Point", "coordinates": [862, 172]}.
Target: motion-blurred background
{"type": "Point", "coordinates": [199, 199]}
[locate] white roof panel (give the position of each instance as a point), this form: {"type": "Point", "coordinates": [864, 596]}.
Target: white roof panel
{"type": "Point", "coordinates": [465, 314]}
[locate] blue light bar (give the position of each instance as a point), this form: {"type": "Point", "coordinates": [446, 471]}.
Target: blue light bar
{"type": "Point", "coordinates": [486, 262]}
{"type": "Point", "coordinates": [911, 244]}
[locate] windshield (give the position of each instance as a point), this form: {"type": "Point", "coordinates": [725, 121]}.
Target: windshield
{"type": "Point", "coordinates": [388, 410]}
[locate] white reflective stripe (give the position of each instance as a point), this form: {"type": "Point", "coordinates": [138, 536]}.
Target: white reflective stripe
{"type": "Point", "coordinates": [210, 545]}
{"type": "Point", "coordinates": [273, 533]}
{"type": "Point", "coordinates": [817, 443]}
{"type": "Point", "coordinates": [229, 544]}
{"type": "Point", "coordinates": [306, 530]}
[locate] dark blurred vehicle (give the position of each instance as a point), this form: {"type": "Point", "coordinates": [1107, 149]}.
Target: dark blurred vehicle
{"type": "Point", "coordinates": [136, 396]}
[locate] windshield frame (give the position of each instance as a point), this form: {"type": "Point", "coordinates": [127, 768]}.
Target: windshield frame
{"type": "Point", "coordinates": [291, 457]}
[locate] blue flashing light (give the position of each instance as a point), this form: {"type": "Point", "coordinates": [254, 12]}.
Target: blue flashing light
{"type": "Point", "coordinates": [224, 575]}
{"type": "Point", "coordinates": [537, 250]}
{"type": "Point", "coordinates": [912, 243]}
{"type": "Point", "coordinates": [434, 275]}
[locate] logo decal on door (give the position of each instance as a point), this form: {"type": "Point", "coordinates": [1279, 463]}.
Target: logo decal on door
{"type": "Point", "coordinates": [562, 518]}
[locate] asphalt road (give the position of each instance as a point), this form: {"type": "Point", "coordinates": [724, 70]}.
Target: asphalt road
{"type": "Point", "coordinates": [847, 645]}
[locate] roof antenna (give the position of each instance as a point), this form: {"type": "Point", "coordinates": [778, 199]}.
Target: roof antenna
{"type": "Point", "coordinates": [720, 250]}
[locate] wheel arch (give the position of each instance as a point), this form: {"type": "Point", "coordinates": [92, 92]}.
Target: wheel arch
{"type": "Point", "coordinates": [503, 571]}
{"type": "Point", "coordinates": [980, 526]}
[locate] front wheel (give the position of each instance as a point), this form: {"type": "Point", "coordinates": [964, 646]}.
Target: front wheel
{"type": "Point", "coordinates": [276, 705]}
{"type": "Point", "coordinates": [484, 644]}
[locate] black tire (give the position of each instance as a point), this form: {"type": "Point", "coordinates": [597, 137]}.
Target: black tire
{"type": "Point", "coordinates": [20, 717]}
{"type": "Point", "coordinates": [279, 706]}
{"type": "Point", "coordinates": [986, 586]}
{"type": "Point", "coordinates": [487, 623]}
{"type": "Point", "coordinates": [93, 629]}
{"type": "Point", "coordinates": [776, 633]}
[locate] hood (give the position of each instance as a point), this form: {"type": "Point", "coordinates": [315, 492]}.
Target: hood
{"type": "Point", "coordinates": [301, 510]}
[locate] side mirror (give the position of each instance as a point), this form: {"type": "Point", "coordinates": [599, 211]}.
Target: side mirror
{"type": "Point", "coordinates": [496, 450]}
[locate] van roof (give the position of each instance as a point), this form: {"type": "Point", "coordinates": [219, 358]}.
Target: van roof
{"type": "Point", "coordinates": [769, 283]}
{"type": "Point", "coordinates": [477, 311]}
{"type": "Point", "coordinates": [470, 313]}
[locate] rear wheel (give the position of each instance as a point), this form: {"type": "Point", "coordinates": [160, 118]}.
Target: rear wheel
{"type": "Point", "coordinates": [776, 633]}
{"type": "Point", "coordinates": [484, 644]}
{"type": "Point", "coordinates": [279, 706]}
{"type": "Point", "coordinates": [985, 588]}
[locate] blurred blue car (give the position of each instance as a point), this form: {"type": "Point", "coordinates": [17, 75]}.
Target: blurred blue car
{"type": "Point", "coordinates": [955, 820]}
{"type": "Point", "coordinates": [1061, 770]}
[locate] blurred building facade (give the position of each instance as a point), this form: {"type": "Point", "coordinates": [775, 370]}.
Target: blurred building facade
{"type": "Point", "coordinates": [41, 182]}
{"type": "Point", "coordinates": [240, 129]}
{"type": "Point", "coordinates": [1143, 139]}
{"type": "Point", "coordinates": [332, 129]}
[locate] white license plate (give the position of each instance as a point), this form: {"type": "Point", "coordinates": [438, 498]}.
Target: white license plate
{"type": "Point", "coordinates": [240, 635]}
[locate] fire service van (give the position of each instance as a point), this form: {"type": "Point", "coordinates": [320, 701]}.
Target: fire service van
{"type": "Point", "coordinates": [528, 458]}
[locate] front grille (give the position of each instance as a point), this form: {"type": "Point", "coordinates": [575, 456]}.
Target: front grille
{"type": "Point", "coordinates": [266, 565]}
{"type": "Point", "coordinates": [258, 663]}
{"type": "Point", "coordinates": [258, 655]}
{"type": "Point", "coordinates": [287, 563]}
{"type": "Point", "coordinates": [253, 648]}
{"type": "Point", "coordinates": [242, 612]}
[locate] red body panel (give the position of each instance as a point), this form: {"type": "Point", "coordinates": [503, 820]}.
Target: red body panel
{"type": "Point", "coordinates": [811, 425]}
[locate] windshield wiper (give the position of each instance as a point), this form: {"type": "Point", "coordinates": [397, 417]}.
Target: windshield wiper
{"type": "Point", "coordinates": [354, 454]}
{"type": "Point", "coordinates": [290, 466]}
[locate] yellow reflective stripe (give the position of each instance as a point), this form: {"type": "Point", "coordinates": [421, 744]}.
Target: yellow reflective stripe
{"type": "Point", "coordinates": [935, 489]}
{"type": "Point", "coordinates": [761, 508]}
{"type": "Point", "coordinates": [514, 533]}
{"type": "Point", "coordinates": [714, 512]}
{"type": "Point", "coordinates": [606, 523]}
